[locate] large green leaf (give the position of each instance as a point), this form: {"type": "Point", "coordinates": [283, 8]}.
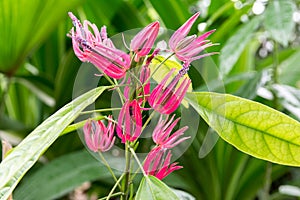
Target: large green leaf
{"type": "Point", "coordinates": [279, 20]}
{"type": "Point", "coordinates": [235, 45]}
{"type": "Point", "coordinates": [61, 176]}
{"type": "Point", "coordinates": [152, 188]}
{"type": "Point", "coordinates": [22, 158]}
{"type": "Point", "coordinates": [251, 127]}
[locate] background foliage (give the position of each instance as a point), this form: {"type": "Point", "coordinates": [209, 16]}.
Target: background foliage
{"type": "Point", "coordinates": [259, 60]}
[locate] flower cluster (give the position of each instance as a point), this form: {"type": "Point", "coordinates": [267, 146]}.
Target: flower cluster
{"type": "Point", "coordinates": [92, 45]}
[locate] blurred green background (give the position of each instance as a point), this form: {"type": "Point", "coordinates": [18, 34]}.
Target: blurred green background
{"type": "Point", "coordinates": [259, 60]}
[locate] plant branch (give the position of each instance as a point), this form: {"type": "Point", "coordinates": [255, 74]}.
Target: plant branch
{"type": "Point", "coordinates": [109, 169]}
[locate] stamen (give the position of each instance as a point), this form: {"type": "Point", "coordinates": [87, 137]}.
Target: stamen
{"type": "Point", "coordinates": [183, 71]}
{"type": "Point", "coordinates": [185, 42]}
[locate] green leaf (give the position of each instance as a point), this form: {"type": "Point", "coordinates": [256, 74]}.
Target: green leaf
{"type": "Point", "coordinates": [172, 13]}
{"type": "Point", "coordinates": [235, 45]}
{"type": "Point", "coordinates": [279, 20]}
{"type": "Point", "coordinates": [36, 85]}
{"type": "Point", "coordinates": [251, 127]}
{"type": "Point", "coordinates": [61, 176]}
{"type": "Point", "coordinates": [152, 188]}
{"type": "Point", "coordinates": [27, 23]}
{"type": "Point", "coordinates": [183, 195]}
{"type": "Point", "coordinates": [19, 161]}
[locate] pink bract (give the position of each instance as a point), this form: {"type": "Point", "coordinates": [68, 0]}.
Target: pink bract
{"type": "Point", "coordinates": [162, 133]}
{"type": "Point", "coordinates": [98, 49]}
{"type": "Point", "coordinates": [166, 97]}
{"type": "Point", "coordinates": [188, 48]}
{"type": "Point", "coordinates": [142, 42]}
{"type": "Point", "coordinates": [157, 163]}
{"type": "Point", "coordinates": [129, 126]}
{"type": "Point", "coordinates": [99, 137]}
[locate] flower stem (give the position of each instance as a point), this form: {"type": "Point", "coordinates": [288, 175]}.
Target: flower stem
{"type": "Point", "coordinates": [78, 125]}
{"type": "Point", "coordinates": [137, 160]}
{"type": "Point", "coordinates": [148, 120]}
{"type": "Point", "coordinates": [99, 110]}
{"type": "Point", "coordinates": [119, 92]}
{"type": "Point", "coordinates": [113, 195]}
{"type": "Point", "coordinates": [109, 168]}
{"type": "Point", "coordinates": [125, 181]}
{"type": "Point", "coordinates": [115, 83]}
{"type": "Point", "coordinates": [114, 187]}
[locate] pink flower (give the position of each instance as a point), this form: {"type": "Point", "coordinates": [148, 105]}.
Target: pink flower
{"type": "Point", "coordinates": [142, 43]}
{"type": "Point", "coordinates": [157, 163]}
{"type": "Point", "coordinates": [187, 49]}
{"type": "Point", "coordinates": [129, 126]}
{"type": "Point", "coordinates": [98, 49]}
{"type": "Point", "coordinates": [162, 133]}
{"type": "Point", "coordinates": [166, 97]}
{"type": "Point", "coordinates": [97, 136]}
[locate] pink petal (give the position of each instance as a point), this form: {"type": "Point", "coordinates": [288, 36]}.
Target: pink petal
{"type": "Point", "coordinates": [182, 31]}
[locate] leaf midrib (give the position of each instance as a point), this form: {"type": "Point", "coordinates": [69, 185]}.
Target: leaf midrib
{"type": "Point", "coordinates": [238, 123]}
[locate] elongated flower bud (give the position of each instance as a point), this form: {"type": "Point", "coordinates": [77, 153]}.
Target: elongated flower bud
{"type": "Point", "coordinates": [166, 97]}
{"type": "Point", "coordinates": [143, 42]}
{"type": "Point", "coordinates": [129, 126]}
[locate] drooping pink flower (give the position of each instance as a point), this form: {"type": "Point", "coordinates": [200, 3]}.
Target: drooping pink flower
{"type": "Point", "coordinates": [157, 163]}
{"type": "Point", "coordinates": [188, 48]}
{"type": "Point", "coordinates": [166, 96]}
{"type": "Point", "coordinates": [129, 126]}
{"type": "Point", "coordinates": [142, 42]}
{"type": "Point", "coordinates": [162, 133]}
{"type": "Point", "coordinates": [98, 49]}
{"type": "Point", "coordinates": [97, 136]}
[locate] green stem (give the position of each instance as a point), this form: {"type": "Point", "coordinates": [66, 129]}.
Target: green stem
{"type": "Point", "coordinates": [131, 192]}
{"type": "Point", "coordinates": [115, 83]}
{"type": "Point", "coordinates": [148, 120]}
{"type": "Point", "coordinates": [108, 167]}
{"type": "Point", "coordinates": [78, 125]}
{"type": "Point", "coordinates": [121, 95]}
{"type": "Point", "coordinates": [268, 176]}
{"type": "Point", "coordinates": [125, 181]}
{"type": "Point", "coordinates": [267, 184]}
{"type": "Point", "coordinates": [137, 160]}
{"type": "Point", "coordinates": [112, 195]}
{"type": "Point", "coordinates": [99, 110]}
{"type": "Point", "coordinates": [114, 187]}
{"type": "Point", "coordinates": [275, 74]}
{"type": "Point", "coordinates": [219, 13]}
